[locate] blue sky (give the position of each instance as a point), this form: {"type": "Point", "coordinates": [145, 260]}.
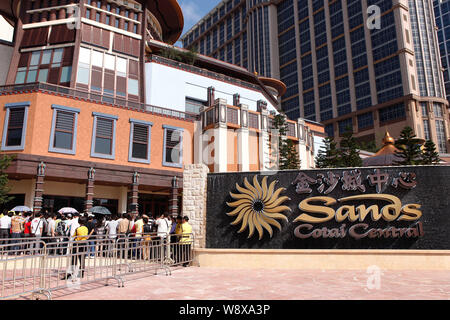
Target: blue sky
{"type": "Point", "coordinates": [194, 10]}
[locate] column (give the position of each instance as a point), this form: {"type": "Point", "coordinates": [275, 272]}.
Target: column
{"type": "Point", "coordinates": [236, 99]}
{"type": "Point", "coordinates": [220, 137]}
{"type": "Point", "coordinates": [89, 202]}
{"type": "Point", "coordinates": [173, 201]}
{"type": "Point", "coordinates": [39, 190]}
{"type": "Point", "coordinates": [264, 141]}
{"type": "Point", "coordinates": [211, 95]}
{"type": "Point", "coordinates": [302, 137]}
{"type": "Point", "coordinates": [194, 200]}
{"type": "Point", "coordinates": [134, 198]}
{"type": "Point", "coordinates": [243, 147]}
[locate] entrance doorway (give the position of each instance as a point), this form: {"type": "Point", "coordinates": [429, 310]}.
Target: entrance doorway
{"type": "Point", "coordinates": [153, 205]}
{"type": "Point", "coordinates": [53, 203]}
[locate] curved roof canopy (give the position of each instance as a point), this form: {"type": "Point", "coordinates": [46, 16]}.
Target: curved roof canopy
{"type": "Point", "coordinates": [170, 16]}
{"type": "Point", "coordinates": [278, 85]}
{"type": "Point", "coordinates": [9, 10]}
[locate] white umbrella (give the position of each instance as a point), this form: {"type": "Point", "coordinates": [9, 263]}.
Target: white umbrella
{"type": "Point", "coordinates": [21, 209]}
{"type": "Point", "coordinates": [67, 210]}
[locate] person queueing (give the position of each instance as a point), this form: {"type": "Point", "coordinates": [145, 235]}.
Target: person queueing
{"type": "Point", "coordinates": [5, 226]}
{"type": "Point", "coordinates": [184, 232]}
{"type": "Point", "coordinates": [17, 228]}
{"type": "Point", "coordinates": [80, 245]}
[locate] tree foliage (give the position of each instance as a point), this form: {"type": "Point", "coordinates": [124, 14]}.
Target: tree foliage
{"type": "Point", "coordinates": [430, 154]}
{"type": "Point", "coordinates": [348, 152]}
{"type": "Point", "coordinates": [328, 156]}
{"type": "Point", "coordinates": [5, 161]}
{"type": "Point", "coordinates": [188, 57]}
{"type": "Point", "coordinates": [288, 155]}
{"type": "Point", "coordinates": [409, 152]}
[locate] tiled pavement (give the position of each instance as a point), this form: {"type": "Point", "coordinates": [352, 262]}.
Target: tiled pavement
{"type": "Point", "coordinates": [227, 284]}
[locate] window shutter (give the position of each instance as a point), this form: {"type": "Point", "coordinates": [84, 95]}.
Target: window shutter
{"type": "Point", "coordinates": [96, 80]}
{"type": "Point", "coordinates": [16, 117]}
{"type": "Point", "coordinates": [140, 133]}
{"type": "Point", "coordinates": [173, 138]}
{"type": "Point", "coordinates": [104, 127]}
{"type": "Point", "coordinates": [24, 57]}
{"type": "Point", "coordinates": [64, 121]}
{"type": "Point", "coordinates": [53, 76]}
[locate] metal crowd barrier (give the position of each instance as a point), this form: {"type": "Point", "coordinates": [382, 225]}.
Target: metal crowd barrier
{"type": "Point", "coordinates": [21, 269]}
{"type": "Point", "coordinates": [39, 266]}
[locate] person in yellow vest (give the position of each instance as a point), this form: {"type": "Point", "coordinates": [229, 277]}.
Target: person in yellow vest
{"type": "Point", "coordinates": [184, 237]}
{"type": "Point", "coordinates": [80, 246]}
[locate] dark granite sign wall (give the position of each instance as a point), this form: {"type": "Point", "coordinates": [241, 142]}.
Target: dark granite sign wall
{"type": "Point", "coordinates": [365, 208]}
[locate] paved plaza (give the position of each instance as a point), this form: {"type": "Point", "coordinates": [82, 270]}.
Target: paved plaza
{"type": "Point", "coordinates": [196, 283]}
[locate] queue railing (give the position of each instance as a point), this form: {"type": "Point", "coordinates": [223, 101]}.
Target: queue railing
{"type": "Point", "coordinates": [40, 265]}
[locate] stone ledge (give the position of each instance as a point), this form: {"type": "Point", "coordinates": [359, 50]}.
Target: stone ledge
{"type": "Point", "coordinates": [323, 259]}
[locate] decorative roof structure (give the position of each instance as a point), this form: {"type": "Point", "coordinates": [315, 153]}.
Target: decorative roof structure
{"type": "Point", "coordinates": [385, 156]}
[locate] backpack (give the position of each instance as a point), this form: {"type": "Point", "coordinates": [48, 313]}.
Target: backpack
{"type": "Point", "coordinates": [45, 229]}
{"type": "Point", "coordinates": [147, 228]}
{"type": "Point", "coordinates": [61, 229]}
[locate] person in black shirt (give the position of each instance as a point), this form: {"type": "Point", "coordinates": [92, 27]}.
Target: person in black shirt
{"type": "Point", "coordinates": [91, 229]}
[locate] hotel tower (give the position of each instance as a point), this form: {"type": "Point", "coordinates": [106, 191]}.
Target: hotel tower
{"type": "Point", "coordinates": [372, 65]}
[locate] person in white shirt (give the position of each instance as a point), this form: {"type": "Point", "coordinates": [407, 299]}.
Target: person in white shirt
{"type": "Point", "coordinates": [51, 225]}
{"type": "Point", "coordinates": [5, 226]}
{"type": "Point", "coordinates": [51, 233]}
{"type": "Point", "coordinates": [37, 227]}
{"type": "Point", "coordinates": [74, 225]}
{"type": "Point", "coordinates": [111, 228]}
{"type": "Point", "coordinates": [163, 224]}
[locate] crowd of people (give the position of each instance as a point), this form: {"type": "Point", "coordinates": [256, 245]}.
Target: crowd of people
{"type": "Point", "coordinates": [17, 227]}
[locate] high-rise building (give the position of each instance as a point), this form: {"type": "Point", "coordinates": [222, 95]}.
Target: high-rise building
{"type": "Point", "coordinates": [442, 15]}
{"type": "Point", "coordinates": [95, 111]}
{"type": "Point", "coordinates": [370, 65]}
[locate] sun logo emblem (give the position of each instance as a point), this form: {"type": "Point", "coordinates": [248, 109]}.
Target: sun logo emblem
{"type": "Point", "coordinates": [258, 207]}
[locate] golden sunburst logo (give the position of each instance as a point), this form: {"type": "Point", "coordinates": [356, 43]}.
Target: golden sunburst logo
{"type": "Point", "coordinates": [258, 206]}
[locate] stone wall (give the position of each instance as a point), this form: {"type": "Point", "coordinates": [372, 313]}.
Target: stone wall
{"type": "Point", "coordinates": [194, 200]}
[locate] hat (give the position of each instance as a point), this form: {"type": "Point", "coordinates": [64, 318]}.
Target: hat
{"type": "Point", "coordinates": [69, 215]}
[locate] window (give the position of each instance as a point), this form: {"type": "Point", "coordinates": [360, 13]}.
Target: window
{"type": "Point", "coordinates": [140, 133]}
{"type": "Point", "coordinates": [194, 105]}
{"type": "Point", "coordinates": [437, 109]}
{"type": "Point", "coordinates": [426, 130]}
{"type": "Point", "coordinates": [64, 130]}
{"type": "Point", "coordinates": [103, 136]}
{"type": "Point", "coordinates": [440, 133]}
{"type": "Point", "coordinates": [392, 113]}
{"type": "Point", "coordinates": [345, 125]}
{"type": "Point", "coordinates": [133, 87]}
{"type": "Point", "coordinates": [173, 147]}
{"type": "Point", "coordinates": [15, 126]}
{"type": "Point", "coordinates": [423, 106]}
{"type": "Point", "coordinates": [45, 66]}
{"type": "Point", "coordinates": [66, 73]}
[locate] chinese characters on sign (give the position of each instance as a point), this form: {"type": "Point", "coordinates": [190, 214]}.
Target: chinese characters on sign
{"type": "Point", "coordinates": [321, 209]}
{"type": "Point", "coordinates": [352, 180]}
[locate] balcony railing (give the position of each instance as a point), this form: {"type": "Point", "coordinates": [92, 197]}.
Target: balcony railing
{"type": "Point", "coordinates": [95, 97]}
{"type": "Point", "coordinates": [201, 71]}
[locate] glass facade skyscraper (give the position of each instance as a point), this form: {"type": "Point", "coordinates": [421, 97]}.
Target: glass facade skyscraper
{"type": "Point", "coordinates": [442, 15]}
{"type": "Point", "coordinates": [363, 64]}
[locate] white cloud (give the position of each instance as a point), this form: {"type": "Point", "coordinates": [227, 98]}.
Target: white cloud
{"type": "Point", "coordinates": [191, 11]}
